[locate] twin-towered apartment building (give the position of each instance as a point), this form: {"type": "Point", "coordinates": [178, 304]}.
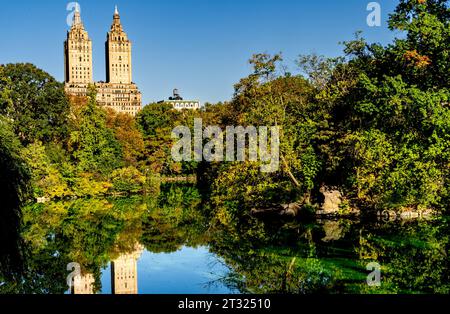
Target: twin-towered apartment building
{"type": "Point", "coordinates": [118, 92]}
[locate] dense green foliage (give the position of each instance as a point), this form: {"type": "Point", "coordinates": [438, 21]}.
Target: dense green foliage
{"type": "Point", "coordinates": [14, 184]}
{"type": "Point", "coordinates": [76, 150]}
{"type": "Point", "coordinates": [157, 122]}
{"type": "Point", "coordinates": [374, 123]}
{"type": "Point", "coordinates": [34, 101]}
{"type": "Point", "coordinates": [394, 120]}
{"type": "Point", "coordinates": [93, 145]}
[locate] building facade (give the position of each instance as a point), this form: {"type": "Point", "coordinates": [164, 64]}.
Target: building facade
{"type": "Point", "coordinates": [83, 284]}
{"type": "Point", "coordinates": [178, 103]}
{"type": "Point", "coordinates": [118, 92]}
{"type": "Point", "coordinates": [78, 54]}
{"type": "Point", "coordinates": [124, 273]}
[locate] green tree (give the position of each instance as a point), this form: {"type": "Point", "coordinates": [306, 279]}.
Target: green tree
{"type": "Point", "coordinates": [35, 101]}
{"type": "Point", "coordinates": [14, 191]}
{"type": "Point", "coordinates": [128, 180]}
{"type": "Point", "coordinates": [46, 178]}
{"type": "Point", "coordinates": [157, 122]}
{"type": "Point", "coordinates": [93, 145]}
{"type": "Point", "coordinates": [392, 120]}
{"type": "Point", "coordinates": [272, 97]}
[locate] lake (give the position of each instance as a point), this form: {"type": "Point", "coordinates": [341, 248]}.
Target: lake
{"type": "Point", "coordinates": [170, 244]}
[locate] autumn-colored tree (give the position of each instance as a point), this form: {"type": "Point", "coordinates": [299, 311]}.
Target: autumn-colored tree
{"type": "Point", "coordinates": [127, 133]}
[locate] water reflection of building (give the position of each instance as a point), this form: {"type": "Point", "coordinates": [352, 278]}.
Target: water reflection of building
{"type": "Point", "coordinates": [124, 276]}
{"type": "Point", "coordinates": [124, 273]}
{"type": "Point", "coordinates": [83, 284]}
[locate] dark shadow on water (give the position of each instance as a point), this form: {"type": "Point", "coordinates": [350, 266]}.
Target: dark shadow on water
{"type": "Point", "coordinates": [13, 190]}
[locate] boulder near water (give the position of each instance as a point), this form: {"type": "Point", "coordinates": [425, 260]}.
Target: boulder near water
{"type": "Point", "coordinates": [332, 201]}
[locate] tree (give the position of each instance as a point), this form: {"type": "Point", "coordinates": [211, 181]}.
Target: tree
{"type": "Point", "coordinates": [375, 123]}
{"type": "Point", "coordinates": [47, 180]}
{"type": "Point", "coordinates": [14, 192]}
{"type": "Point", "coordinates": [128, 135]}
{"type": "Point", "coordinates": [34, 101]}
{"type": "Point", "coordinates": [93, 145]}
{"type": "Point", "coordinates": [269, 97]}
{"type": "Point", "coordinates": [392, 122]}
{"type": "Point", "coordinates": [128, 180]}
{"type": "Point", "coordinates": [156, 122]}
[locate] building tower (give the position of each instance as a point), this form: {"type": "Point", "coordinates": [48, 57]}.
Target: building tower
{"type": "Point", "coordinates": [118, 93]}
{"type": "Point", "coordinates": [124, 272]}
{"type": "Point", "coordinates": [118, 54]}
{"type": "Point", "coordinates": [78, 53]}
{"type": "Point", "coordinates": [83, 284]}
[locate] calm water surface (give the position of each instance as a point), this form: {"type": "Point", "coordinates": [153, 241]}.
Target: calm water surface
{"type": "Point", "coordinates": [187, 271]}
{"type": "Point", "coordinates": [170, 244]}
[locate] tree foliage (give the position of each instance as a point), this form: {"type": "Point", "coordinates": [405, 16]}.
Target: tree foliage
{"type": "Point", "coordinates": [93, 145]}
{"type": "Point", "coordinates": [14, 187]}
{"type": "Point", "coordinates": [35, 101]}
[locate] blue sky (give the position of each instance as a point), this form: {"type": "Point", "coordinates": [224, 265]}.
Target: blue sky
{"type": "Point", "coordinates": [200, 47]}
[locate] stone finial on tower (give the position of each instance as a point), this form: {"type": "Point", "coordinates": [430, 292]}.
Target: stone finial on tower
{"type": "Point", "coordinates": [116, 16]}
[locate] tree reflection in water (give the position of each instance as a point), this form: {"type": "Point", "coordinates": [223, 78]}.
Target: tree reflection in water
{"type": "Point", "coordinates": [320, 256]}
{"type": "Point", "coordinates": [14, 190]}
{"type": "Point", "coordinates": [331, 257]}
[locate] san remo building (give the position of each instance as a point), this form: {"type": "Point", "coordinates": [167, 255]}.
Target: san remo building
{"type": "Point", "coordinates": [118, 92]}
